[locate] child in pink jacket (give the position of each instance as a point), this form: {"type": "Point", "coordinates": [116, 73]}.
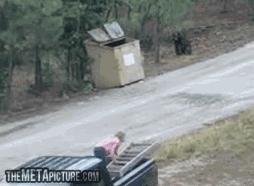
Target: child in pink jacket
{"type": "Point", "coordinates": [107, 150]}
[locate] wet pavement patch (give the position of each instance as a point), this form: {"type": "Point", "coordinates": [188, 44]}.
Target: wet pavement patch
{"type": "Point", "coordinates": [200, 99]}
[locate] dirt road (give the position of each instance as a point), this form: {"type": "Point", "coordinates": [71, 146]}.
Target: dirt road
{"type": "Point", "coordinates": [168, 105]}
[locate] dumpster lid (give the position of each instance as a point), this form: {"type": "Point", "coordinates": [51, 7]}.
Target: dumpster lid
{"type": "Point", "coordinates": [99, 35]}
{"type": "Point", "coordinates": [113, 31]}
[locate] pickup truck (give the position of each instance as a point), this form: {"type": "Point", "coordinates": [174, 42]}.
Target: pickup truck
{"type": "Point", "coordinates": [145, 173]}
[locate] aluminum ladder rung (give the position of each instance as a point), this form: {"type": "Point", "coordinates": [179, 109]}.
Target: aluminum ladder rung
{"type": "Point", "coordinates": [129, 158]}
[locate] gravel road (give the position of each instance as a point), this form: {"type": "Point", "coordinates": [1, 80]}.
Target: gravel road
{"type": "Point", "coordinates": [165, 106]}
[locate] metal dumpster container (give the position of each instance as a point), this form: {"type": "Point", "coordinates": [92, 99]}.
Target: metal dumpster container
{"type": "Point", "coordinates": [117, 59]}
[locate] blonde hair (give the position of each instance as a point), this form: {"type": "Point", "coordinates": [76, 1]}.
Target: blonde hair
{"type": "Point", "coordinates": [120, 135]}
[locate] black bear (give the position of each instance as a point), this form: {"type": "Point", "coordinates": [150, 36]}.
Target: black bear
{"type": "Point", "coordinates": [182, 44]}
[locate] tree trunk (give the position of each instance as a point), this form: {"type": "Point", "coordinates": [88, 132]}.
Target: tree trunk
{"type": "Point", "coordinates": [142, 27]}
{"type": "Point", "coordinates": [82, 69]}
{"type": "Point", "coordinates": [79, 17]}
{"type": "Point", "coordinates": [157, 42]}
{"type": "Point", "coordinates": [9, 81]}
{"type": "Point", "coordinates": [116, 10]}
{"type": "Point", "coordinates": [73, 70]}
{"type": "Point", "coordinates": [68, 65]}
{"type": "Point", "coordinates": [225, 6]}
{"type": "Point", "coordinates": [83, 64]}
{"type": "Point", "coordinates": [251, 9]}
{"type": "Point", "coordinates": [108, 14]}
{"type": "Point", "coordinates": [77, 71]}
{"type": "Point", "coordinates": [38, 70]}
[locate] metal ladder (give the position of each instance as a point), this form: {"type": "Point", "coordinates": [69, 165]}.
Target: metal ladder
{"type": "Point", "coordinates": [129, 158]}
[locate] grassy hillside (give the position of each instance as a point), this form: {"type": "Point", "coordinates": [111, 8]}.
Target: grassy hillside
{"type": "Point", "coordinates": [217, 155]}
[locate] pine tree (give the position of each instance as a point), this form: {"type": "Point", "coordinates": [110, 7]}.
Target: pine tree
{"type": "Point", "coordinates": [42, 27]}
{"type": "Point", "coordinates": [11, 41]}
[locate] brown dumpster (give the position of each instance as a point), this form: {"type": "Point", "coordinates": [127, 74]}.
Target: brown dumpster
{"type": "Point", "coordinates": [117, 59]}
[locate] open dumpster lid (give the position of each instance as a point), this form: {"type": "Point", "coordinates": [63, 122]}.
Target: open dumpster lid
{"type": "Point", "coordinates": [99, 35]}
{"type": "Point", "coordinates": [112, 32]}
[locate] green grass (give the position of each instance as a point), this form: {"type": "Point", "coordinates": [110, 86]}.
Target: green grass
{"type": "Point", "coordinates": [235, 134]}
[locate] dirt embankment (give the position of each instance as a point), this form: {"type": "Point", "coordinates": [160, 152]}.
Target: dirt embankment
{"type": "Point", "coordinates": [212, 33]}
{"type": "Point", "coordinates": [222, 154]}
